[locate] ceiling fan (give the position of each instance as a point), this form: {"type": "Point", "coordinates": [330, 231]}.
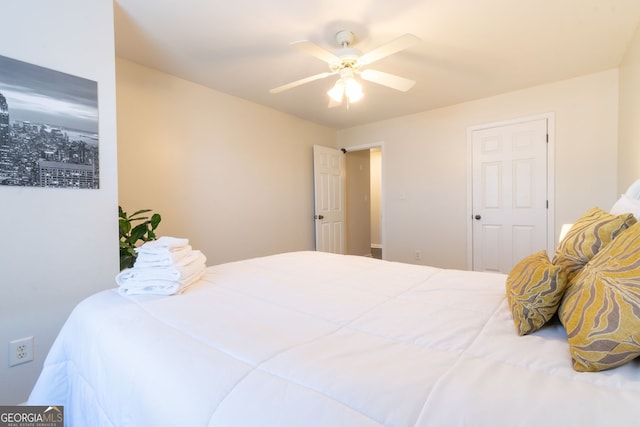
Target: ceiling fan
{"type": "Point", "coordinates": [347, 62]}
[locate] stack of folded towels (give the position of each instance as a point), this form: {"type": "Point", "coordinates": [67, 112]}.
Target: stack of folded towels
{"type": "Point", "coordinates": [166, 266]}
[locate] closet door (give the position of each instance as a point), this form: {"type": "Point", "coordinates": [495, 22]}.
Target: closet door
{"type": "Point", "coordinates": [509, 193]}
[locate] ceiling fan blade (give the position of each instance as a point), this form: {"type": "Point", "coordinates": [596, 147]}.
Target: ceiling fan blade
{"type": "Point", "coordinates": [395, 45]}
{"type": "Point", "coordinates": [386, 79]}
{"type": "Point", "coordinates": [301, 82]}
{"type": "Point", "coordinates": [317, 51]}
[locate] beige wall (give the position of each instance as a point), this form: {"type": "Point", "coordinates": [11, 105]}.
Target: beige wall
{"type": "Point", "coordinates": [425, 162]}
{"type": "Point", "coordinates": [58, 246]}
{"type": "Point", "coordinates": [233, 177]}
{"type": "Point", "coordinates": [629, 121]}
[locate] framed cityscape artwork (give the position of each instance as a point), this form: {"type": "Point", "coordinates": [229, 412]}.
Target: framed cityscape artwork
{"type": "Point", "coordinates": [48, 128]}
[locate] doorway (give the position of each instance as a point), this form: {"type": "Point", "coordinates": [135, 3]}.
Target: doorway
{"type": "Point", "coordinates": [364, 202]}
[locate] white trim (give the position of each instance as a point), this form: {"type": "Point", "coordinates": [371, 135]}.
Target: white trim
{"type": "Point", "coordinates": [363, 147]}
{"type": "Point", "coordinates": [551, 220]}
{"type": "Point", "coordinates": [383, 184]}
{"type": "Point", "coordinates": [376, 246]}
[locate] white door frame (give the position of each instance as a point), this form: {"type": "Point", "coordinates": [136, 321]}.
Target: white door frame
{"type": "Point", "coordinates": [550, 117]}
{"type": "Point", "coordinates": [383, 172]}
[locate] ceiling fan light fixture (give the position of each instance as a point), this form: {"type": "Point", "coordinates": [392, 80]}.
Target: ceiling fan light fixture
{"type": "Point", "coordinates": [346, 85]}
{"type": "Point", "coordinates": [337, 91]}
{"type": "Point", "coordinates": [353, 90]}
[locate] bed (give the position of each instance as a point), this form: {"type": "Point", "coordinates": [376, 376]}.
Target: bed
{"type": "Point", "coordinates": [318, 339]}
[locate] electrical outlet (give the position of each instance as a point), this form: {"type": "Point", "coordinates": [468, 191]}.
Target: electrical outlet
{"type": "Point", "coordinates": [417, 255]}
{"type": "Point", "coordinates": [20, 351]}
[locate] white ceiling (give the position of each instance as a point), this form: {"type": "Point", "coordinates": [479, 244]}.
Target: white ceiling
{"type": "Point", "coordinates": [470, 49]}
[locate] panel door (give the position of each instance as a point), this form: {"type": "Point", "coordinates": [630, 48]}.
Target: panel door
{"type": "Point", "coordinates": [509, 194]}
{"type": "Point", "coordinates": [329, 187]}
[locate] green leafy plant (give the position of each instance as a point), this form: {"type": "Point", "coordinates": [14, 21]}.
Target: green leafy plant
{"type": "Point", "coordinates": [132, 236]}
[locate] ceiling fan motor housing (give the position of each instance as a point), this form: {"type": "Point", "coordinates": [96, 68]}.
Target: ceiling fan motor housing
{"type": "Point", "coordinates": [344, 38]}
{"type": "Point", "coordinates": [348, 56]}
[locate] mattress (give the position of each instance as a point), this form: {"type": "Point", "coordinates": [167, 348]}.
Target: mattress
{"type": "Point", "coordinates": [318, 339]}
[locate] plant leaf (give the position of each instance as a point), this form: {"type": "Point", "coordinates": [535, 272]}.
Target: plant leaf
{"type": "Point", "coordinates": [125, 227]}
{"type": "Point", "coordinates": [141, 211]}
{"type": "Point", "coordinates": [138, 232]}
{"type": "Point", "coordinates": [155, 221]}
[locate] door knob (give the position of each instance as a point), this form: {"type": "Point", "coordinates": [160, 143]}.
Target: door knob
{"type": "Point", "coordinates": [478, 217]}
{"type": "Point", "coordinates": [318, 216]}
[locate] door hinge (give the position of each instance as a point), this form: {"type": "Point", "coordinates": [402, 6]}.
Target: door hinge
{"type": "Point", "coordinates": [547, 204]}
{"type": "Point", "coordinates": [547, 138]}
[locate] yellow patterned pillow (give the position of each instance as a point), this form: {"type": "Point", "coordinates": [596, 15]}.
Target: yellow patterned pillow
{"type": "Point", "coordinates": [601, 309]}
{"type": "Point", "coordinates": [534, 291]}
{"type": "Point", "coordinates": [593, 231]}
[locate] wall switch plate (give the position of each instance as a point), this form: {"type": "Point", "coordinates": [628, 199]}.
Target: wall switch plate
{"type": "Point", "coordinates": [20, 351]}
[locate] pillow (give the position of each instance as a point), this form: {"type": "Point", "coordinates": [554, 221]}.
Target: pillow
{"type": "Point", "coordinates": [626, 204]}
{"type": "Point", "coordinates": [601, 309]}
{"type": "Point", "coordinates": [593, 231]}
{"type": "Point", "coordinates": [534, 292]}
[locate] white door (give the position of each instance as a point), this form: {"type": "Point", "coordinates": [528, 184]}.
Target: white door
{"type": "Point", "coordinates": [329, 184]}
{"type": "Point", "coordinates": [509, 193]}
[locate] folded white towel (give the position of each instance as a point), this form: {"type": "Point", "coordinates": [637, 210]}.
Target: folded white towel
{"type": "Point", "coordinates": [195, 259]}
{"type": "Point", "coordinates": [162, 280]}
{"type": "Point", "coordinates": [163, 244]}
{"type": "Point", "coordinates": [163, 259]}
{"type": "Point", "coordinates": [160, 286]}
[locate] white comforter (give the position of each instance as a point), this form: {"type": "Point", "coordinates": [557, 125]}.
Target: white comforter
{"type": "Point", "coordinates": [314, 339]}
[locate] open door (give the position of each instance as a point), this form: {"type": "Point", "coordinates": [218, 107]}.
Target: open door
{"type": "Point", "coordinates": [329, 187]}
